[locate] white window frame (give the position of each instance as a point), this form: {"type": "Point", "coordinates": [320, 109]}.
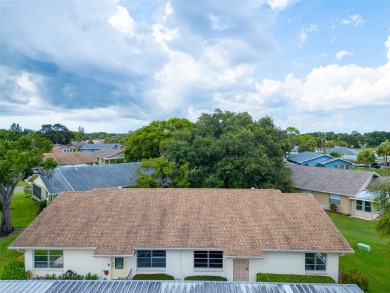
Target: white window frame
{"type": "Point", "coordinates": [335, 199]}
{"type": "Point", "coordinates": [364, 206]}
{"type": "Point", "coordinates": [58, 254]}
{"type": "Point", "coordinates": [155, 258]}
{"type": "Point", "coordinates": [210, 261]}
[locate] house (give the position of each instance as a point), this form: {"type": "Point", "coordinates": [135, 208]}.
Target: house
{"type": "Point", "coordinates": [346, 153]}
{"type": "Point", "coordinates": [348, 190]}
{"type": "Point", "coordinates": [82, 178]}
{"type": "Point", "coordinates": [109, 156]}
{"type": "Point", "coordinates": [319, 160]}
{"type": "Point", "coordinates": [59, 148]}
{"type": "Point", "coordinates": [73, 158]}
{"type": "Point", "coordinates": [90, 148]}
{"type": "Point", "coordinates": [233, 233]}
{"type": "Point", "coordinates": [105, 286]}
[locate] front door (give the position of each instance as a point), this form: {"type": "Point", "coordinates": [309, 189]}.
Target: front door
{"type": "Point", "coordinates": [118, 265]}
{"type": "Point", "coordinates": [241, 270]}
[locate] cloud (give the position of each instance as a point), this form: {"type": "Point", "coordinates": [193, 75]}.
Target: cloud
{"type": "Point", "coordinates": [340, 55]}
{"type": "Point", "coordinates": [304, 33]}
{"type": "Point", "coordinates": [122, 21]}
{"type": "Point", "coordinates": [354, 20]}
{"type": "Point", "coordinates": [280, 4]}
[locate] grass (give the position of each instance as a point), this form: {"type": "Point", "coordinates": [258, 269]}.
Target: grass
{"type": "Point", "coordinates": [376, 264]}
{"type": "Point", "coordinates": [23, 212]}
{"type": "Point", "coordinates": [380, 172]}
{"type": "Point", "coordinates": [22, 183]}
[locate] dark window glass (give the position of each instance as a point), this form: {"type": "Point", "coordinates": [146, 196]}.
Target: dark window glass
{"type": "Point", "coordinates": [151, 258]}
{"type": "Point", "coordinates": [315, 261]}
{"type": "Point", "coordinates": [119, 263]}
{"type": "Point", "coordinates": [208, 259]}
{"type": "Point", "coordinates": [48, 259]}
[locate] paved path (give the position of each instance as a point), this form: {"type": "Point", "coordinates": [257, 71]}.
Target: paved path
{"type": "Point", "coordinates": [19, 188]}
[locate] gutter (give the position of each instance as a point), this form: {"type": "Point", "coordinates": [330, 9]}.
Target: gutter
{"type": "Point", "coordinates": [310, 251]}
{"type": "Point", "coordinates": [65, 179]}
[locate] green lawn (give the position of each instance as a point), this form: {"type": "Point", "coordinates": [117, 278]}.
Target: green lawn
{"type": "Point", "coordinates": [22, 183]}
{"type": "Point", "coordinates": [378, 171]}
{"type": "Point", "coordinates": [23, 212]}
{"type": "Point", "coordinates": [376, 264]}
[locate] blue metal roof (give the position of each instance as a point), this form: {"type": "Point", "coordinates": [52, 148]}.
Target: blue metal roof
{"type": "Point", "coordinates": [332, 160]}
{"type": "Point", "coordinates": [100, 146]}
{"type": "Point", "coordinates": [86, 177]}
{"type": "Point", "coordinates": [103, 286]}
{"type": "Point", "coordinates": [305, 156]}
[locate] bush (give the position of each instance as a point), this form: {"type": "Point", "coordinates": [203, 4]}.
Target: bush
{"type": "Point", "coordinates": [355, 277]}
{"type": "Point", "coordinates": [89, 276]}
{"type": "Point", "coordinates": [41, 206]}
{"type": "Point", "coordinates": [205, 278]}
{"type": "Point", "coordinates": [13, 270]}
{"type": "Point", "coordinates": [73, 276]}
{"type": "Point", "coordinates": [333, 208]}
{"type": "Point", "coordinates": [291, 278]}
{"type": "Point", "coordinates": [153, 277]}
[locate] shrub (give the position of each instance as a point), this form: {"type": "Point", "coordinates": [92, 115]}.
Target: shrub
{"type": "Point", "coordinates": [291, 278]}
{"type": "Point", "coordinates": [333, 208]}
{"type": "Point", "coordinates": [13, 270]}
{"type": "Point", "coordinates": [89, 276]}
{"type": "Point", "coordinates": [153, 277]}
{"type": "Point", "coordinates": [355, 277]}
{"type": "Point", "coordinates": [205, 278]}
{"type": "Point", "coordinates": [47, 277]}
{"type": "Point", "coordinates": [41, 206]}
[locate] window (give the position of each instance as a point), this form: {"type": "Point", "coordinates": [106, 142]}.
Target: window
{"type": "Point", "coordinates": [333, 198]}
{"type": "Point", "coordinates": [363, 206]}
{"type": "Point", "coordinates": [315, 261]}
{"type": "Point", "coordinates": [341, 167]}
{"type": "Point", "coordinates": [119, 263]}
{"type": "Point", "coordinates": [151, 258]}
{"type": "Point", "coordinates": [52, 259]}
{"type": "Point", "coordinates": [208, 259]}
{"type": "Point", "coordinates": [36, 191]}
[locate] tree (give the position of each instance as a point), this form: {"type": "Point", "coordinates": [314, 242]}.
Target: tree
{"type": "Point", "coordinates": [384, 150]}
{"type": "Point", "coordinates": [161, 173]}
{"type": "Point", "coordinates": [57, 133]}
{"type": "Point", "coordinates": [366, 157]}
{"type": "Point", "coordinates": [306, 143]}
{"type": "Point", "coordinates": [335, 154]}
{"type": "Point", "coordinates": [16, 128]}
{"type": "Point", "coordinates": [226, 149]}
{"type": "Point", "coordinates": [17, 160]}
{"type": "Point", "coordinates": [382, 192]}
{"type": "Point", "coordinates": [145, 142]}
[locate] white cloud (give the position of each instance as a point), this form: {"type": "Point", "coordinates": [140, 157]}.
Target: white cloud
{"type": "Point", "coordinates": [280, 4]}
{"type": "Point", "coordinates": [122, 21]}
{"type": "Point", "coordinates": [354, 19]}
{"type": "Point", "coordinates": [304, 33]}
{"type": "Point", "coordinates": [340, 55]}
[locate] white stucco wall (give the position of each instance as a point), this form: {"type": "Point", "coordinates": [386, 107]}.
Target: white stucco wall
{"type": "Point", "coordinates": [38, 182]}
{"type": "Point", "coordinates": [180, 264]}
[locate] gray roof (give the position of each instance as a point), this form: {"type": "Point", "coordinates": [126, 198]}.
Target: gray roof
{"type": "Point", "coordinates": [100, 146]}
{"type": "Point", "coordinates": [305, 156]}
{"type": "Point", "coordinates": [84, 178]}
{"type": "Point", "coordinates": [337, 181]}
{"type": "Point", "coordinates": [366, 195]}
{"type": "Point", "coordinates": [342, 151]}
{"type": "Point", "coordinates": [103, 286]}
{"type": "Point", "coordinates": [332, 160]}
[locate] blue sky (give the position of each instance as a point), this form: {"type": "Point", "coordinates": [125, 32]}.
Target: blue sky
{"type": "Point", "coordinates": [114, 66]}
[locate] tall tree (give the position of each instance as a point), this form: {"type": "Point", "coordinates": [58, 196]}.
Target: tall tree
{"type": "Point", "coordinates": [144, 143]}
{"type": "Point", "coordinates": [384, 150]}
{"type": "Point", "coordinates": [57, 133]}
{"type": "Point", "coordinates": [17, 160]}
{"type": "Point", "coordinates": [307, 143]}
{"type": "Point", "coordinates": [382, 191]}
{"type": "Point", "coordinates": [366, 157]}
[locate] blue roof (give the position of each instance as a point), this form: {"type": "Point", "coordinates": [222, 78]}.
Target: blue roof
{"type": "Point", "coordinates": [332, 160]}
{"type": "Point", "coordinates": [86, 177]}
{"type": "Point", "coordinates": [305, 156]}
{"type": "Point", "coordinates": [342, 151]}
{"type": "Point", "coordinates": [100, 146]}
{"type": "Point", "coordinates": [103, 286]}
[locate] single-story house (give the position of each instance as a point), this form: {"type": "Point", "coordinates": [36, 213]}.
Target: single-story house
{"type": "Point", "coordinates": [93, 147]}
{"type": "Point", "coordinates": [59, 148]}
{"type": "Point", "coordinates": [82, 178]}
{"type": "Point", "coordinates": [348, 190]}
{"type": "Point", "coordinates": [233, 233]}
{"type": "Point", "coordinates": [346, 153]}
{"type": "Point", "coordinates": [73, 158]}
{"type": "Point", "coordinates": [109, 156]}
{"type": "Point", "coordinates": [319, 160]}
{"type": "Point", "coordinates": [129, 286]}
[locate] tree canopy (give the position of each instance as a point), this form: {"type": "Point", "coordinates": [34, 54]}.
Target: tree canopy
{"type": "Point", "coordinates": [382, 191]}
{"type": "Point", "coordinates": [57, 133]}
{"type": "Point", "coordinates": [366, 157]}
{"type": "Point", "coordinates": [17, 160]}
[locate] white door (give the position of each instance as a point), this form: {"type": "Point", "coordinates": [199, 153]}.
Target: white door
{"type": "Point", "coordinates": [241, 270]}
{"type": "Point", "coordinates": [118, 267]}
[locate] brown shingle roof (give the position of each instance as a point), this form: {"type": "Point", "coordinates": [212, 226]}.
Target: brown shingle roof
{"type": "Point", "coordinates": [338, 181]}
{"type": "Point", "coordinates": [242, 222]}
{"type": "Point", "coordinates": [74, 158]}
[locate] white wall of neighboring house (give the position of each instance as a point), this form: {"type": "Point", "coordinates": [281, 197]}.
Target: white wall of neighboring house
{"type": "Point", "coordinates": [180, 264]}
{"type": "Point", "coordinates": [38, 182]}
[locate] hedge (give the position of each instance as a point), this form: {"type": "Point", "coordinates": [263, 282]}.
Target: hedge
{"type": "Point", "coordinates": [291, 278]}
{"type": "Point", "coordinates": [205, 278]}
{"type": "Point", "coordinates": [153, 277]}
{"type": "Point", "coordinates": [13, 270]}
{"type": "Point", "coordinates": [355, 277]}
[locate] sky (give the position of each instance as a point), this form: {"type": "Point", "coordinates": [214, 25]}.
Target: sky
{"type": "Point", "coordinates": [115, 66]}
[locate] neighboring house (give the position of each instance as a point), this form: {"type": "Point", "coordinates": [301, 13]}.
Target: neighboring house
{"type": "Point", "coordinates": [347, 189]}
{"type": "Point", "coordinates": [346, 153]}
{"type": "Point", "coordinates": [59, 148]}
{"type": "Point", "coordinates": [90, 148]}
{"type": "Point", "coordinates": [75, 158]}
{"type": "Point", "coordinates": [128, 286]}
{"type": "Point", "coordinates": [109, 156]}
{"type": "Point", "coordinates": [319, 160]}
{"type": "Point", "coordinates": [234, 233]}
{"type": "Point", "coordinates": [82, 178]}
{"type": "Point", "coordinates": [78, 145]}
